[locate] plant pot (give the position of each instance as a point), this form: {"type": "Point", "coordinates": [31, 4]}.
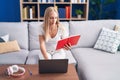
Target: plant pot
{"type": "Point", "coordinates": [30, 0]}
{"type": "Point", "coordinates": [61, 0]}
{"type": "Point", "coordinates": [78, 16]}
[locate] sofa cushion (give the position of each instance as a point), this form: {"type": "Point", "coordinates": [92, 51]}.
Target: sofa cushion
{"type": "Point", "coordinates": [17, 31]}
{"type": "Point", "coordinates": [4, 38]}
{"type": "Point", "coordinates": [108, 40]}
{"type": "Point", "coordinates": [18, 57]}
{"type": "Point", "coordinates": [89, 30]}
{"type": "Point", "coordinates": [96, 64]}
{"type": "Point", "coordinates": [34, 28]}
{"type": "Point", "coordinates": [33, 35]}
{"type": "Point", "coordinates": [35, 55]}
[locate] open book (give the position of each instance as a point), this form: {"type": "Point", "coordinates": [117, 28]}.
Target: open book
{"type": "Point", "coordinates": [72, 40]}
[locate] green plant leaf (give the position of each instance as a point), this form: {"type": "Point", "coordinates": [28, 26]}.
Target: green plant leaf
{"type": "Point", "coordinates": [78, 11]}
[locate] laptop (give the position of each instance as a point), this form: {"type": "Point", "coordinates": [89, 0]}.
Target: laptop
{"type": "Point", "coordinates": [53, 66]}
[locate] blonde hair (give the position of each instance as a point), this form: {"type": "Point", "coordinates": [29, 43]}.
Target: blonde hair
{"type": "Point", "coordinates": [46, 21]}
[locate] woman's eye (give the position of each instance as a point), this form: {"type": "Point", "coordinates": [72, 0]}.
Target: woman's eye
{"type": "Point", "coordinates": [53, 17]}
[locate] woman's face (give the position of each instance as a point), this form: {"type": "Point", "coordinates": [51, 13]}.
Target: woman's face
{"type": "Point", "coordinates": [53, 18]}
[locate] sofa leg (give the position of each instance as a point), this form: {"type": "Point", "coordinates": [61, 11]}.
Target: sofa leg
{"type": "Point", "coordinates": [26, 60]}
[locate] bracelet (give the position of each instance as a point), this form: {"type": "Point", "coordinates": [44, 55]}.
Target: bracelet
{"type": "Point", "coordinates": [14, 69]}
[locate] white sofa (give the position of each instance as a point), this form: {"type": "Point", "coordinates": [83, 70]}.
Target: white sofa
{"type": "Point", "coordinates": [94, 64]}
{"type": "Point", "coordinates": [91, 64]}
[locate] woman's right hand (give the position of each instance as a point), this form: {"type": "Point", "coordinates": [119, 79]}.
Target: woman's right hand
{"type": "Point", "coordinates": [67, 46]}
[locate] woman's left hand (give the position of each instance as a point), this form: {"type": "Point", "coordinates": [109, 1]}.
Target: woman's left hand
{"type": "Point", "coordinates": [67, 46]}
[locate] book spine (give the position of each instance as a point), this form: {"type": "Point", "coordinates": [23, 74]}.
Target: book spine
{"type": "Point", "coordinates": [31, 13]}
{"type": "Point", "coordinates": [43, 1]}
{"type": "Point", "coordinates": [24, 14]}
{"type": "Point", "coordinates": [30, 0]}
{"type": "Point", "coordinates": [52, 0]}
{"type": "Point", "coordinates": [67, 9]}
{"type": "Point", "coordinates": [83, 1]}
{"type": "Point", "coordinates": [49, 1]}
{"type": "Point", "coordinates": [40, 1]}
{"type": "Point", "coordinates": [61, 12]}
{"type": "Point", "coordinates": [80, 1]}
{"type": "Point", "coordinates": [28, 11]}
{"type": "Point", "coordinates": [75, 1]}
{"type": "Point", "coordinates": [72, 1]}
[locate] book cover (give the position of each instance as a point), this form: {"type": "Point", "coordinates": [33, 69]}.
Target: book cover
{"type": "Point", "coordinates": [73, 40]}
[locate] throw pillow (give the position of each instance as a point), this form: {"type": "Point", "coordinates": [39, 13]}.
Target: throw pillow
{"type": "Point", "coordinates": [4, 38]}
{"type": "Point", "coordinates": [108, 40]}
{"type": "Point", "coordinates": [9, 46]}
{"type": "Point", "coordinates": [117, 28]}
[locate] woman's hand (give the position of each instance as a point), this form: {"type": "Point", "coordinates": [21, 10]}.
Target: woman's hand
{"type": "Point", "coordinates": [67, 46]}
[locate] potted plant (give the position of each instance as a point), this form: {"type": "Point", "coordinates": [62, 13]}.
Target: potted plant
{"type": "Point", "coordinates": [78, 13]}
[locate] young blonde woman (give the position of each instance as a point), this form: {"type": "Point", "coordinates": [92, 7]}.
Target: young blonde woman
{"type": "Point", "coordinates": [50, 32]}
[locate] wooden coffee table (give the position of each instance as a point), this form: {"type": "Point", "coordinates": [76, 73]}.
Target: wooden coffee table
{"type": "Point", "coordinates": [70, 75]}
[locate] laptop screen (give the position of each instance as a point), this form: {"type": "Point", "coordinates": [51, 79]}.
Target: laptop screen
{"type": "Point", "coordinates": [53, 66]}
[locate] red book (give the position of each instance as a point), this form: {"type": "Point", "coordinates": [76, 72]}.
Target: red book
{"type": "Point", "coordinates": [67, 8]}
{"type": "Point", "coordinates": [73, 40]}
{"type": "Point", "coordinates": [69, 12]}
